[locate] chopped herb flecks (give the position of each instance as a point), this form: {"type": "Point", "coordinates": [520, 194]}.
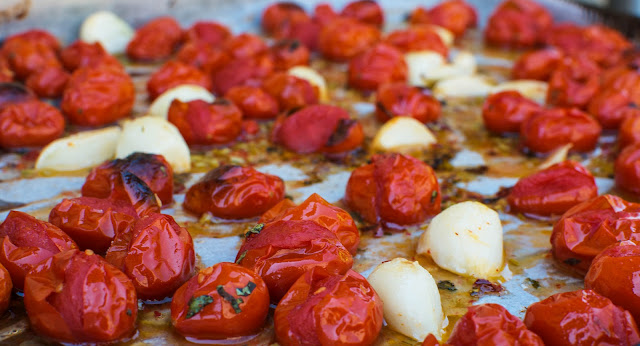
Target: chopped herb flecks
{"type": "Point", "coordinates": [254, 230]}
{"type": "Point", "coordinates": [196, 304]}
{"type": "Point", "coordinates": [534, 283]}
{"type": "Point", "coordinates": [241, 257]}
{"type": "Point", "coordinates": [572, 261]}
{"type": "Point", "coordinates": [235, 302]}
{"type": "Point", "coordinates": [434, 194]}
{"type": "Point", "coordinates": [245, 291]}
{"type": "Point", "coordinates": [447, 285]}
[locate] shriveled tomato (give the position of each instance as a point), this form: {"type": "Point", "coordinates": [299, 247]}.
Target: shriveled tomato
{"type": "Point", "coordinates": [245, 45]}
{"type": "Point", "coordinates": [289, 53]}
{"type": "Point", "coordinates": [206, 123]}
{"type": "Point", "coordinates": [26, 56]}
{"type": "Point", "coordinates": [393, 189]}
{"type": "Point", "coordinates": [212, 33]}
{"type": "Point", "coordinates": [416, 38]}
{"type": "Point", "coordinates": [307, 33]}
{"type": "Point", "coordinates": [323, 308]}
{"type": "Point", "coordinates": [128, 187]}
{"type": "Point", "coordinates": [281, 16]}
{"type": "Point", "coordinates": [5, 289]}
{"type": "Point", "coordinates": [27, 241]}
{"type": "Point", "coordinates": [455, 15]}
{"type": "Point", "coordinates": [365, 11]}
{"type": "Point", "coordinates": [36, 35]}
{"type": "Point", "coordinates": [254, 102]}
{"type": "Point", "coordinates": [48, 82]}
{"type": "Point", "coordinates": [234, 192]}
{"type": "Point", "coordinates": [537, 64]}
{"type": "Point", "coordinates": [491, 324]}
{"type": "Point", "coordinates": [347, 136]}
{"type": "Point", "coordinates": [550, 129]}
{"type": "Point", "coordinates": [172, 74]}
{"type": "Point", "coordinates": [627, 169]}
{"type": "Point", "coordinates": [290, 91]}
{"type": "Point", "coordinates": [589, 227]}
{"type": "Point", "coordinates": [581, 318]}
{"type": "Point", "coordinates": [77, 297]}
{"type": "Point", "coordinates": [247, 71]}
{"type": "Point", "coordinates": [630, 128]}
{"type": "Point", "coordinates": [29, 123]}
{"type": "Point", "coordinates": [281, 251]}
{"type": "Point", "coordinates": [378, 65]}
{"type": "Point", "coordinates": [518, 23]}
{"type": "Point", "coordinates": [323, 13]}
{"type": "Point", "coordinates": [222, 301]}
{"type": "Point", "coordinates": [399, 99]}
{"type": "Point", "coordinates": [203, 56]}
{"type": "Point", "coordinates": [608, 107]}
{"type": "Point", "coordinates": [505, 111]}
{"type": "Point", "coordinates": [83, 54]}
{"type": "Point", "coordinates": [93, 222]}
{"type": "Point", "coordinates": [573, 83]}
{"type": "Point", "coordinates": [156, 40]}
{"type": "Point", "coordinates": [98, 96]}
{"type": "Point", "coordinates": [344, 38]}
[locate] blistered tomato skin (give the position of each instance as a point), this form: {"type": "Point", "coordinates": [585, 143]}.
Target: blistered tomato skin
{"type": "Point", "coordinates": [365, 11]}
{"type": "Point", "coordinates": [344, 38]}
{"type": "Point", "coordinates": [281, 251]}
{"type": "Point", "coordinates": [491, 324]}
{"type": "Point", "coordinates": [244, 45]}
{"type": "Point", "coordinates": [217, 317]}
{"type": "Point", "coordinates": [156, 40]}
{"type": "Point", "coordinates": [289, 53]}
{"type": "Point", "coordinates": [455, 15]}
{"type": "Point", "coordinates": [206, 123]}
{"type": "Point", "coordinates": [417, 38]}
{"type": "Point", "coordinates": [290, 91]}
{"type": "Point", "coordinates": [573, 83]}
{"type": "Point", "coordinates": [518, 24]}
{"type": "Point", "coordinates": [211, 33]}
{"type": "Point", "coordinates": [581, 318]}
{"type": "Point", "coordinates": [254, 102]}
{"type": "Point", "coordinates": [77, 297]}
{"type": "Point", "coordinates": [234, 192]}
{"type": "Point", "coordinates": [399, 99]}
{"type": "Point", "coordinates": [48, 82]}
{"type": "Point", "coordinates": [29, 123]}
{"type": "Point", "coordinates": [538, 64]}
{"type": "Point", "coordinates": [630, 128]}
{"type": "Point", "coordinates": [550, 129]}
{"type": "Point", "coordinates": [237, 72]}
{"type": "Point", "coordinates": [505, 111]}
{"type": "Point", "coordinates": [26, 242]}
{"type": "Point", "coordinates": [5, 289]}
{"type": "Point", "coordinates": [26, 57]}
{"type": "Point", "coordinates": [128, 187]}
{"type": "Point", "coordinates": [377, 65]}
{"type": "Point", "coordinates": [328, 309]}
{"type": "Point", "coordinates": [279, 18]}
{"type": "Point", "coordinates": [172, 74]}
{"type": "Point", "coordinates": [203, 56]}
{"type": "Point", "coordinates": [627, 169]}
{"type": "Point", "coordinates": [83, 54]}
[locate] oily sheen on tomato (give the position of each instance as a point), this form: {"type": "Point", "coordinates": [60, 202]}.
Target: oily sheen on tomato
{"type": "Point", "coordinates": [627, 165]}
{"type": "Point", "coordinates": [203, 123]}
{"type": "Point", "coordinates": [537, 64]}
{"type": "Point", "coordinates": [6, 286]}
{"type": "Point", "coordinates": [400, 99]}
{"type": "Point", "coordinates": [127, 187]}
{"type": "Point", "coordinates": [290, 91]}
{"type": "Point", "coordinates": [30, 123]}
{"type": "Point", "coordinates": [505, 111]}
{"type": "Point", "coordinates": [156, 40]}
{"type": "Point", "coordinates": [517, 24]}
{"type": "Point", "coordinates": [254, 102]}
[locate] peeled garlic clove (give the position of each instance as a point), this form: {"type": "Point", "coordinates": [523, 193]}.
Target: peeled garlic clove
{"type": "Point", "coordinates": [410, 296]}
{"type": "Point", "coordinates": [111, 31]}
{"type": "Point", "coordinates": [402, 134]}
{"type": "Point", "coordinates": [155, 136]}
{"type": "Point", "coordinates": [533, 89]}
{"type": "Point", "coordinates": [446, 36]}
{"type": "Point", "coordinates": [557, 156]}
{"type": "Point", "coordinates": [185, 93]}
{"type": "Point", "coordinates": [421, 66]}
{"type": "Point", "coordinates": [463, 86]}
{"type": "Point", "coordinates": [313, 77]}
{"type": "Point", "coordinates": [465, 239]}
{"type": "Point", "coordinates": [81, 150]}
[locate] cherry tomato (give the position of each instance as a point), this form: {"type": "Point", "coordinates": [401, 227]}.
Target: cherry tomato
{"type": "Point", "coordinates": [365, 11]}
{"type": "Point", "coordinates": [550, 129]}
{"type": "Point", "coordinates": [399, 99]}
{"type": "Point", "coordinates": [247, 71]}
{"type": "Point", "coordinates": [347, 136]}
{"type": "Point", "coordinates": [27, 241]}
{"type": "Point", "coordinates": [290, 91]}
{"type": "Point", "coordinates": [5, 289]}
{"type": "Point", "coordinates": [454, 15]}
{"type": "Point", "coordinates": [212, 33]}
{"type": "Point", "coordinates": [281, 251]}
{"type": "Point", "coordinates": [77, 297]}
{"type": "Point", "coordinates": [393, 189]}
{"type": "Point", "coordinates": [573, 83]}
{"type": "Point", "coordinates": [581, 318]}
{"type": "Point", "coordinates": [377, 65]}
{"type": "Point", "coordinates": [254, 102]}
{"type": "Point", "coordinates": [608, 106]}
{"type": "Point", "coordinates": [153, 169]}
{"type": "Point", "coordinates": [589, 227]}
{"type": "Point", "coordinates": [93, 222]}
{"type": "Point", "coordinates": [307, 33]}
{"type": "Point", "coordinates": [323, 308]}
{"type": "Point", "coordinates": [222, 301]}
{"type": "Point", "coordinates": [417, 38]}
{"type": "Point", "coordinates": [156, 40]}
{"type": "Point", "coordinates": [323, 13]}
{"type": "Point", "coordinates": [627, 169]}
{"type": "Point", "coordinates": [30, 123]}
{"type": "Point", "coordinates": [172, 74]}
{"type": "Point", "coordinates": [27, 55]}
{"type": "Point", "coordinates": [505, 111]}
{"type": "Point", "coordinates": [518, 24]}
{"type": "Point", "coordinates": [430, 340]}
{"type": "Point", "coordinates": [48, 82]}
{"type": "Point", "coordinates": [281, 16]}
{"type": "Point", "coordinates": [203, 56]}
{"type": "Point", "coordinates": [344, 38]}
{"type": "Point", "coordinates": [83, 54]}
{"type": "Point", "coordinates": [36, 35]}
{"type": "Point", "coordinates": [537, 64]}
{"type": "Point", "coordinates": [626, 80]}
{"type": "Point", "coordinates": [245, 45]}
{"type": "Point", "coordinates": [630, 128]}
{"type": "Point", "coordinates": [98, 96]}
{"type": "Point", "coordinates": [491, 324]}
{"type": "Point", "coordinates": [206, 123]}
{"type": "Point", "coordinates": [234, 192]}
{"type": "Point", "coordinates": [289, 53]}
{"type": "Point", "coordinates": [128, 187]}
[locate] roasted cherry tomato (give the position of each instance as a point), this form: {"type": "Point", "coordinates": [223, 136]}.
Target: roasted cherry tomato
{"type": "Point", "coordinates": [505, 111]}
{"type": "Point", "coordinates": [290, 91]}
{"type": "Point", "coordinates": [323, 308]}
{"type": "Point", "coordinates": [206, 123]}
{"type": "Point", "coordinates": [234, 192]}
{"type": "Point", "coordinates": [378, 65]}
{"type": "Point", "coordinates": [247, 71]}
{"type": "Point", "coordinates": [156, 40]}
{"type": "Point", "coordinates": [203, 56]}
{"type": "Point", "coordinates": [316, 209]}
{"type": "Point", "coordinates": [307, 33]}
{"type": "Point", "coordinates": [48, 82]}
{"type": "Point", "coordinates": [491, 324]}
{"type": "Point", "coordinates": [245, 45]}
{"type": "Point", "coordinates": [98, 96]}
{"type": "Point", "coordinates": [93, 222]}
{"type": "Point", "coordinates": [550, 129]}
{"type": "Point", "coordinates": [279, 18]}
{"type": "Point", "coordinates": [573, 83]}
{"type": "Point", "coordinates": [212, 33]}
{"type": "Point", "coordinates": [323, 13]}
{"type": "Point", "coordinates": [128, 187]}
{"type": "Point", "coordinates": [630, 128]}
{"type": "Point", "coordinates": [589, 227]}
{"type": "Point", "coordinates": [569, 318]}
{"type": "Point", "coordinates": [399, 99]}
{"type": "Point", "coordinates": [83, 54]}
{"type": "Point", "coordinates": [627, 169]}
{"type": "Point", "coordinates": [454, 15]}
{"type": "Point", "coordinates": [77, 297]}
{"type": "Point", "coordinates": [430, 340]}
{"type": "Point", "coordinates": [27, 241]}
{"type": "Point", "coordinates": [609, 107]}
{"type": "Point", "coordinates": [344, 38]}
{"type": "Point", "coordinates": [254, 102]}
{"type": "Point", "coordinates": [518, 23]}
{"type": "Point", "coordinates": [365, 11]}
{"type": "Point", "coordinates": [27, 56]}
{"type": "Point", "coordinates": [222, 301]}
{"type": "Point", "coordinates": [537, 64]}
{"type": "Point", "coordinates": [417, 38]}
{"type": "Point", "coordinates": [5, 289]}
{"type": "Point", "coordinates": [289, 53]}
{"type": "Point", "coordinates": [29, 123]}
{"type": "Point", "coordinates": [36, 35]}
{"type": "Point", "coordinates": [394, 189]}
{"type": "Point", "coordinates": [281, 251]}
{"type": "Point", "coordinates": [172, 74]}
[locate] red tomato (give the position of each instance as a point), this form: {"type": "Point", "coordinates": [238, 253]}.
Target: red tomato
{"type": "Point", "coordinates": [128, 187]}
{"type": "Point", "coordinates": [307, 33]}
{"type": "Point", "coordinates": [30, 123]}
{"type": "Point", "coordinates": [537, 64]}
{"type": "Point", "coordinates": [254, 102]}
{"type": "Point", "coordinates": [589, 227]}
{"type": "Point", "coordinates": [491, 324]}
{"type": "Point", "coordinates": [323, 308]}
{"type": "Point", "coordinates": [6, 75]}
{"type": "Point", "coordinates": [417, 38]}
{"type": "Point", "coordinates": [573, 83]}
{"type": "Point", "coordinates": [242, 72]}
{"type": "Point", "coordinates": [630, 128]}
{"type": "Point", "coordinates": [375, 66]}
{"type": "Point", "coordinates": [203, 56]}
{"type": "Point", "coordinates": [26, 56]}
{"type": "Point", "coordinates": [365, 11]}
{"type": "Point", "coordinates": [172, 74]}
{"type": "Point", "coordinates": [323, 13]}
{"type": "Point", "coordinates": [98, 96]}
{"type": "Point", "coordinates": [347, 136]}
{"type": "Point", "coordinates": [234, 192]}
{"type": "Point", "coordinates": [281, 16]}
{"type": "Point", "coordinates": [283, 250]}
{"type": "Point", "coordinates": [222, 301]}
{"type": "Point", "coordinates": [36, 35]}
{"type": "Point", "coordinates": [550, 129]}
{"type": "Point", "coordinates": [83, 54]}
{"type": "Point", "coordinates": [608, 106]}
{"type": "Point", "coordinates": [48, 82]}
{"type": "Point", "coordinates": [5, 289]}
{"type": "Point", "coordinates": [627, 169]}
{"type": "Point", "coordinates": [245, 45]}
{"type": "Point", "coordinates": [569, 318]}
{"type": "Point", "coordinates": [505, 111]}
{"type": "Point", "coordinates": [77, 297]}
{"type": "Point", "coordinates": [626, 80]}
{"type": "Point", "coordinates": [156, 40]}
{"type": "Point", "coordinates": [212, 33]}
{"type": "Point", "coordinates": [289, 53]}
{"type": "Point", "coordinates": [393, 189]}
{"type": "Point", "coordinates": [430, 340]}
{"type": "Point", "coordinates": [399, 99]}
{"type": "Point", "coordinates": [206, 123]}
{"type": "Point", "coordinates": [93, 222]}
{"type": "Point", "coordinates": [455, 15]}
{"type": "Point", "coordinates": [26, 242]}
{"type": "Point", "coordinates": [290, 91]}
{"type": "Point", "coordinates": [344, 38]}
{"type": "Point", "coordinates": [518, 24]}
